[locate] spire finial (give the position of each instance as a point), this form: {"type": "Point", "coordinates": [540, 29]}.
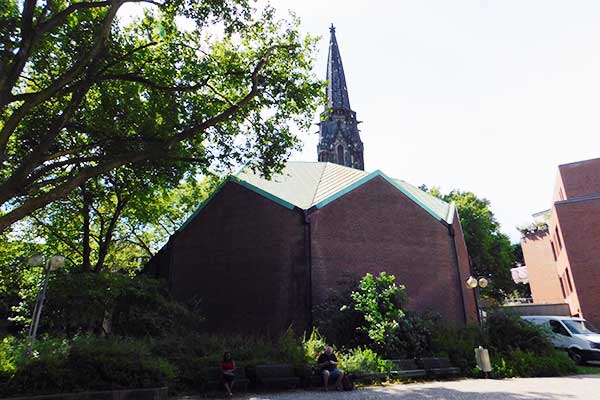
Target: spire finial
{"type": "Point", "coordinates": [332, 28]}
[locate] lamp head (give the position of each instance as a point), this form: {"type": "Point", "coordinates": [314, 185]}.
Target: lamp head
{"type": "Point", "coordinates": [471, 283]}
{"type": "Point", "coordinates": [56, 262]}
{"type": "Point", "coordinates": [483, 282]}
{"type": "Point", "coordinates": [36, 260]}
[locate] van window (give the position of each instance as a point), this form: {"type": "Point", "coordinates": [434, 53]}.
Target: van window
{"type": "Point", "coordinates": [579, 327]}
{"type": "Point", "coordinates": [557, 327]}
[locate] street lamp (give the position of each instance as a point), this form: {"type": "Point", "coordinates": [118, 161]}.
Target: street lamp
{"type": "Point", "coordinates": [53, 263]}
{"type": "Point", "coordinates": [475, 284]}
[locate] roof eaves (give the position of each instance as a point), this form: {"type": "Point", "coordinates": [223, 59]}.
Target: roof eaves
{"type": "Point", "coordinates": [451, 212]}
{"type": "Point", "coordinates": [264, 193]}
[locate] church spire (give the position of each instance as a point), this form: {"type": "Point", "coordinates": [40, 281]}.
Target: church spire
{"type": "Point", "coordinates": [339, 138]}
{"type": "Point", "coordinates": [337, 91]}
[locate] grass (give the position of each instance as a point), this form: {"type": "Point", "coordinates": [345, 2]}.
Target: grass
{"type": "Point", "coordinates": [588, 370]}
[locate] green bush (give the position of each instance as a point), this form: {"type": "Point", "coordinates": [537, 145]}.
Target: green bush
{"type": "Point", "coordinates": [458, 344]}
{"type": "Point", "coordinates": [508, 333]}
{"type": "Point", "coordinates": [363, 360]}
{"type": "Point", "coordinates": [86, 363]}
{"type": "Point", "coordinates": [528, 364]}
{"type": "Point", "coordinates": [113, 304]}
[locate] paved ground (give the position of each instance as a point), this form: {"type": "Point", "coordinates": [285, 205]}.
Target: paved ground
{"type": "Point", "coordinates": [578, 387]}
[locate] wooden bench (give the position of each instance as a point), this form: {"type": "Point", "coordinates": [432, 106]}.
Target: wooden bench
{"type": "Point", "coordinates": [281, 375]}
{"type": "Point", "coordinates": [438, 367]}
{"type": "Point", "coordinates": [406, 368]}
{"type": "Point", "coordinates": [214, 379]}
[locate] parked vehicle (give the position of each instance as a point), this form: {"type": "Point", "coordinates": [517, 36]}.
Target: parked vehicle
{"type": "Point", "coordinates": [574, 335]}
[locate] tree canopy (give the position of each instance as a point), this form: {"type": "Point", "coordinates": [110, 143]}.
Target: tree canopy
{"type": "Point", "coordinates": [83, 94]}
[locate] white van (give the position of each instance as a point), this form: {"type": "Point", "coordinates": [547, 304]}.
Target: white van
{"type": "Point", "coordinates": [575, 335]}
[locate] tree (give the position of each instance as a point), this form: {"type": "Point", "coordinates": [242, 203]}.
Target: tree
{"type": "Point", "coordinates": [490, 250]}
{"type": "Point", "coordinates": [81, 95]}
{"type": "Point", "coordinates": [117, 224]}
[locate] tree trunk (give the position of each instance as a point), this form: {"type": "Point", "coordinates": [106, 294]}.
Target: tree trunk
{"type": "Point", "coordinates": [86, 264]}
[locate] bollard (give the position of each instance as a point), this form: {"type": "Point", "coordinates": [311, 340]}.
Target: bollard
{"type": "Point", "coordinates": [482, 357]}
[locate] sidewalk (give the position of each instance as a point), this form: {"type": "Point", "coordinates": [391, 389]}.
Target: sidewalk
{"type": "Point", "coordinates": [577, 387]}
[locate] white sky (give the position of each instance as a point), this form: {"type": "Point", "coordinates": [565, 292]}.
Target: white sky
{"type": "Point", "coordinates": [486, 96]}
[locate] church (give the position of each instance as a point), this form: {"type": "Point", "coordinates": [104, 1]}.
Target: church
{"type": "Point", "coordinates": [262, 254]}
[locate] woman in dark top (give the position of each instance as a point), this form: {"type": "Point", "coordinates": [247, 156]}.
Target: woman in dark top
{"type": "Point", "coordinates": [227, 370]}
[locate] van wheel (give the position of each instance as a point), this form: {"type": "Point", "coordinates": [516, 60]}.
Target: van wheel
{"type": "Point", "coordinates": [576, 356]}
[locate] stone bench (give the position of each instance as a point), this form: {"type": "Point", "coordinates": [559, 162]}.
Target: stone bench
{"type": "Point", "coordinates": [279, 375]}
{"type": "Point", "coordinates": [438, 367]}
{"type": "Point", "coordinates": [214, 379]}
{"type": "Point", "coordinates": [406, 368]}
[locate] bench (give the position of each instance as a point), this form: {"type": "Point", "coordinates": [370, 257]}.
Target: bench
{"type": "Point", "coordinates": [282, 375]}
{"type": "Point", "coordinates": [438, 367]}
{"type": "Point", "coordinates": [406, 368]}
{"type": "Point", "coordinates": [214, 379]}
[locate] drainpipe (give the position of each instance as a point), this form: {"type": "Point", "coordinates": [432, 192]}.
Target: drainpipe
{"type": "Point", "coordinates": [308, 259]}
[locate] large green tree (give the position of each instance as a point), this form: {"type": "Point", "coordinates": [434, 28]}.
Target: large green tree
{"type": "Point", "coordinates": [82, 94]}
{"type": "Point", "coordinates": [490, 250]}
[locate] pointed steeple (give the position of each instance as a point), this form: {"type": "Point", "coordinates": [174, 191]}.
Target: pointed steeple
{"type": "Point", "coordinates": [337, 91]}
{"type": "Point", "coordinates": [339, 137]}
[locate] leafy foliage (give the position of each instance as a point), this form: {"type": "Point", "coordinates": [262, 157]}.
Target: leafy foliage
{"type": "Point", "coordinates": [364, 360]}
{"type": "Point", "coordinates": [509, 333]}
{"type": "Point", "coordinates": [381, 303]}
{"type": "Point", "coordinates": [113, 304]}
{"type": "Point", "coordinates": [531, 364]}
{"type": "Point", "coordinates": [82, 94]}
{"type": "Point", "coordinates": [87, 363]}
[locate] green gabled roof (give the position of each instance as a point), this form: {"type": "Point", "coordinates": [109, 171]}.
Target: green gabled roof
{"type": "Point", "coordinates": [316, 184]}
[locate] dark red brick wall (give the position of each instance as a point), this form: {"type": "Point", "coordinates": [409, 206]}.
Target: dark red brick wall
{"type": "Point", "coordinates": [376, 228]}
{"type": "Point", "coordinates": [244, 256]}
{"type": "Point", "coordinates": [581, 178]}
{"type": "Point", "coordinates": [580, 229]}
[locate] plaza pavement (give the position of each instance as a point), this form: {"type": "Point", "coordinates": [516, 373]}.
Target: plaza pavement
{"type": "Point", "coordinates": [577, 387]}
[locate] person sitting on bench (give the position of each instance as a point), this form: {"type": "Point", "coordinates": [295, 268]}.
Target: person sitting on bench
{"type": "Point", "coordinates": [329, 370]}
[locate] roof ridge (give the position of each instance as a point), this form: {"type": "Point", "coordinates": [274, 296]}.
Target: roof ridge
{"type": "Point", "coordinates": [312, 201]}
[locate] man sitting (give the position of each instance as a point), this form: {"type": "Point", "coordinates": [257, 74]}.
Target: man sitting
{"type": "Point", "coordinates": [328, 363]}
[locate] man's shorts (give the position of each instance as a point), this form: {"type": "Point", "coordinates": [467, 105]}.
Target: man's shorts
{"type": "Point", "coordinates": [334, 374]}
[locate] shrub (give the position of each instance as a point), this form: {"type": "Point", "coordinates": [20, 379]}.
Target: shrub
{"type": "Point", "coordinates": [314, 345]}
{"type": "Point", "coordinates": [508, 333]}
{"type": "Point", "coordinates": [458, 344]}
{"type": "Point", "coordinates": [113, 303]}
{"type": "Point", "coordinates": [528, 364]}
{"type": "Point", "coordinates": [364, 360]}
{"type": "Point", "coordinates": [88, 363]}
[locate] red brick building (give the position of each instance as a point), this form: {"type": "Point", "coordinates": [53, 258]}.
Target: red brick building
{"type": "Point", "coordinates": [562, 253]}
{"type": "Point", "coordinates": [262, 254]}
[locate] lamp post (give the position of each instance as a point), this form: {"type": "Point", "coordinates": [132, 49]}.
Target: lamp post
{"type": "Point", "coordinates": [53, 263]}
{"type": "Point", "coordinates": [475, 284]}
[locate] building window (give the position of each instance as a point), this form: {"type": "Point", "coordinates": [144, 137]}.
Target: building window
{"type": "Point", "coordinates": [553, 249]}
{"type": "Point", "coordinates": [569, 279]}
{"type": "Point", "coordinates": [562, 287]}
{"type": "Point", "coordinates": [340, 151]}
{"type": "Point", "coordinates": [558, 238]}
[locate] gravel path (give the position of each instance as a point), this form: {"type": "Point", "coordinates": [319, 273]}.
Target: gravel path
{"type": "Point", "coordinates": [578, 387]}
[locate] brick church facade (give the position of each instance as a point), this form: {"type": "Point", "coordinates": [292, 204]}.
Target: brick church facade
{"type": "Point", "coordinates": [262, 254]}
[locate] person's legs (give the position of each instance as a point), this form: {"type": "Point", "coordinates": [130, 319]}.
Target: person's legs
{"type": "Point", "coordinates": [339, 379]}
{"type": "Point", "coordinates": [334, 376]}
{"type": "Point", "coordinates": [227, 387]}
{"type": "Point", "coordinates": [325, 378]}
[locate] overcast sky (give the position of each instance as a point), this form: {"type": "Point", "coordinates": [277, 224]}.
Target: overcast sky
{"type": "Point", "coordinates": [486, 96]}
